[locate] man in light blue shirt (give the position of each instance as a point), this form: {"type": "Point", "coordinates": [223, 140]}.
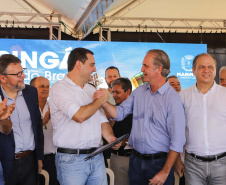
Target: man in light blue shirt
{"type": "Point", "coordinates": [158, 132]}
{"type": "Point", "coordinates": [21, 151]}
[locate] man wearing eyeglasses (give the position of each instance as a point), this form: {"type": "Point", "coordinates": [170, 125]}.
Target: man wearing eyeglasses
{"type": "Point", "coordinates": [21, 151]}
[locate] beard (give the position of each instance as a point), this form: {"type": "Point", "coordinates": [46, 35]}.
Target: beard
{"type": "Point", "coordinates": [17, 86]}
{"type": "Point", "coordinates": [109, 84]}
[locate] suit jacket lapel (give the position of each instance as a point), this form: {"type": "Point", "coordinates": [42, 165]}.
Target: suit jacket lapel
{"type": "Point", "coordinates": [27, 98]}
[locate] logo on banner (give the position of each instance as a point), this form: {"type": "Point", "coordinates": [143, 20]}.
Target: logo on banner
{"type": "Point", "coordinates": [186, 62]}
{"type": "Point", "coordinates": [186, 65]}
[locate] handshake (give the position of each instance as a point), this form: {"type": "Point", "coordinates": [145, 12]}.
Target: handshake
{"type": "Point", "coordinates": [102, 94]}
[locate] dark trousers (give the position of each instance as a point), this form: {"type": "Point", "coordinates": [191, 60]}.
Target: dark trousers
{"type": "Point", "coordinates": [24, 172]}
{"type": "Point", "coordinates": [182, 180]}
{"type": "Point", "coordinates": [50, 167]}
{"type": "Point", "coordinates": [141, 170]}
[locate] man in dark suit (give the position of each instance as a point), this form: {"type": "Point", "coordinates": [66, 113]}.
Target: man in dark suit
{"type": "Point", "coordinates": [21, 151]}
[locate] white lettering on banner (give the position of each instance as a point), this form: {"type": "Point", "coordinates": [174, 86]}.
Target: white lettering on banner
{"type": "Point", "coordinates": [30, 75]}
{"type": "Point", "coordinates": [48, 74]}
{"type": "Point", "coordinates": [186, 75]}
{"type": "Point", "coordinates": [52, 62]}
{"type": "Point", "coordinates": [44, 59]}
{"type": "Point", "coordinates": [54, 76]}
{"type": "Point", "coordinates": [63, 64]}
{"type": "Point", "coordinates": [25, 57]}
{"type": "Point", "coordinates": [15, 53]}
{"type": "Point", "coordinates": [3, 52]}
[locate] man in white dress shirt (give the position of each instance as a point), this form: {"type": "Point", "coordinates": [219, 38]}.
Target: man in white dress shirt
{"type": "Point", "coordinates": [78, 123]}
{"type": "Point", "coordinates": [42, 84]}
{"type": "Point", "coordinates": [205, 146]}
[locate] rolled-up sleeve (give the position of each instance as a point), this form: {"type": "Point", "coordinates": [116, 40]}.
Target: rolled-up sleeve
{"type": "Point", "coordinates": [125, 108]}
{"type": "Point", "coordinates": [176, 125]}
{"type": "Point", "coordinates": [103, 118]}
{"type": "Point", "coordinates": [62, 101]}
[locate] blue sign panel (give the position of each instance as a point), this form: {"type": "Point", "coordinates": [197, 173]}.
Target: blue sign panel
{"type": "Point", "coordinates": [48, 58]}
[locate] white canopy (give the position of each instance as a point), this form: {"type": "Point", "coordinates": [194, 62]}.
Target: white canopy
{"type": "Point", "coordinates": [80, 17]}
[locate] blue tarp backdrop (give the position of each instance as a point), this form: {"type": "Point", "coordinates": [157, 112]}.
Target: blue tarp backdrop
{"type": "Point", "coordinates": [48, 58]}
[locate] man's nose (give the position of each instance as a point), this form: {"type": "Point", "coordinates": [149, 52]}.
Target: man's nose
{"type": "Point", "coordinates": [142, 69]}
{"type": "Point", "coordinates": [23, 76]}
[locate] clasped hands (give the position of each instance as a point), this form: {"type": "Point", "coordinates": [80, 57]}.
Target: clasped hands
{"type": "Point", "coordinates": [101, 93]}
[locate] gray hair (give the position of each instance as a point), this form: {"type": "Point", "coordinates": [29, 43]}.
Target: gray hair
{"type": "Point", "coordinates": [161, 59]}
{"type": "Point", "coordinates": [223, 68]}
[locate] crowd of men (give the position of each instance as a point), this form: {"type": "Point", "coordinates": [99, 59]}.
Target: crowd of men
{"type": "Point", "coordinates": [170, 129]}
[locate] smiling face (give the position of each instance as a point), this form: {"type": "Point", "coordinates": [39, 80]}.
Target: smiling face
{"type": "Point", "coordinates": [42, 84]}
{"type": "Point", "coordinates": [174, 82]}
{"type": "Point", "coordinates": [111, 76]}
{"type": "Point", "coordinates": [205, 69]}
{"type": "Point", "coordinates": [88, 68]}
{"type": "Point", "coordinates": [119, 95]}
{"type": "Point", "coordinates": [13, 81]}
{"type": "Point", "coordinates": [149, 70]}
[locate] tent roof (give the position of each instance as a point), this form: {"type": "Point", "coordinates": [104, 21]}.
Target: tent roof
{"type": "Point", "coordinates": [128, 15]}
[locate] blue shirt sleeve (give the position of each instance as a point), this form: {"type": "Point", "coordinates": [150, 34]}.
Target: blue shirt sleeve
{"type": "Point", "coordinates": [125, 108]}
{"type": "Point", "coordinates": [176, 125]}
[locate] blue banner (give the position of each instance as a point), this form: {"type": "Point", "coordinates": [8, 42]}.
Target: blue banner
{"type": "Point", "coordinates": [48, 58]}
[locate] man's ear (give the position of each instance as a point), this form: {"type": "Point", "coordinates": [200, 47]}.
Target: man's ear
{"type": "Point", "coordinates": [160, 69]}
{"type": "Point", "coordinates": [79, 65]}
{"type": "Point", "coordinates": [2, 78]}
{"type": "Point", "coordinates": [194, 71]}
{"type": "Point", "coordinates": [128, 92]}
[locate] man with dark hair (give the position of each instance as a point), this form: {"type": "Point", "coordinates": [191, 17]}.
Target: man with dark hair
{"type": "Point", "coordinates": [121, 89]}
{"type": "Point", "coordinates": [21, 151]}
{"type": "Point", "coordinates": [42, 84]}
{"type": "Point", "coordinates": [111, 74]}
{"type": "Point", "coordinates": [158, 132]}
{"type": "Point", "coordinates": [174, 82]}
{"type": "Point", "coordinates": [205, 156]}
{"type": "Point", "coordinates": [78, 123]}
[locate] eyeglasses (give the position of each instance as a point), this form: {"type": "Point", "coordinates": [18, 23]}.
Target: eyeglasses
{"type": "Point", "coordinates": [18, 74]}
